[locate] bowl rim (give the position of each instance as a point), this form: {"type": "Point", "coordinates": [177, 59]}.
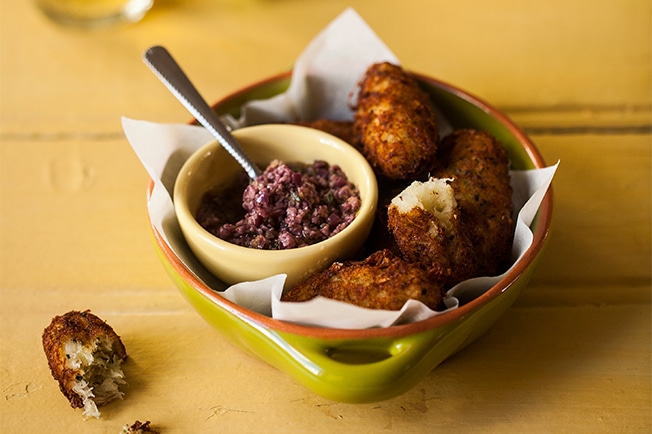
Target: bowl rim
{"type": "Point", "coordinates": [540, 236]}
{"type": "Point", "coordinates": [368, 204]}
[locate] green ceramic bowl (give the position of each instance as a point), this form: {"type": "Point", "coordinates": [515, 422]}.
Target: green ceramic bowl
{"type": "Point", "coordinates": [372, 364]}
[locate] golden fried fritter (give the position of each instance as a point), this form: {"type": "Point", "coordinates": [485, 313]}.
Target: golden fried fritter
{"type": "Point", "coordinates": [84, 355]}
{"type": "Point", "coordinates": [424, 220]}
{"type": "Point", "coordinates": [479, 167]}
{"type": "Point", "coordinates": [381, 281]}
{"type": "Point", "coordinates": [396, 123]}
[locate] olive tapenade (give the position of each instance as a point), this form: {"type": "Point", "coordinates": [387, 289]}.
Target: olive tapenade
{"type": "Point", "coordinates": [290, 205]}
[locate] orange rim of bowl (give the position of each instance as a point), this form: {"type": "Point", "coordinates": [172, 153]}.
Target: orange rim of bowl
{"type": "Point", "coordinates": [540, 235]}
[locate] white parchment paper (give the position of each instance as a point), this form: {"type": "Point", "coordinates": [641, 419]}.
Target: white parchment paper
{"type": "Point", "coordinates": [324, 80]}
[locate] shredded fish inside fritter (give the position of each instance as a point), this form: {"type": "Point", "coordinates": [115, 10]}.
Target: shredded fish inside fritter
{"type": "Point", "coordinates": [425, 222]}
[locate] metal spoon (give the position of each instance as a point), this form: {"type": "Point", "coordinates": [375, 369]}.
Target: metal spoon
{"type": "Point", "coordinates": [170, 73]}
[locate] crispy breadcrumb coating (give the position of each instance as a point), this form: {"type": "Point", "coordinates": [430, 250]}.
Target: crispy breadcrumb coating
{"type": "Point", "coordinates": [395, 121]}
{"type": "Point", "coordinates": [382, 281]}
{"type": "Point", "coordinates": [479, 167]}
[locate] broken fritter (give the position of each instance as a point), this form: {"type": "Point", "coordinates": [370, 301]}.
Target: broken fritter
{"type": "Point", "coordinates": [459, 224]}
{"type": "Point", "coordinates": [381, 281]}
{"type": "Point", "coordinates": [85, 356]}
{"type": "Point", "coordinates": [424, 220]}
{"type": "Point", "coordinates": [395, 122]}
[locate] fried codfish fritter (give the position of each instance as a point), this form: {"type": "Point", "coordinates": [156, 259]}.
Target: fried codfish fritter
{"type": "Point", "coordinates": [381, 281]}
{"type": "Point", "coordinates": [395, 121]}
{"type": "Point", "coordinates": [85, 356]}
{"type": "Point", "coordinates": [424, 220]}
{"type": "Point", "coordinates": [479, 167]}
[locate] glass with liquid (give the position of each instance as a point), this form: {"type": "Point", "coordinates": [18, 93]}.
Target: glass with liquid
{"type": "Point", "coordinates": [94, 13]}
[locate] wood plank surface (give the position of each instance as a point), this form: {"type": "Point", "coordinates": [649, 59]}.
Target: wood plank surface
{"type": "Point", "coordinates": [572, 355]}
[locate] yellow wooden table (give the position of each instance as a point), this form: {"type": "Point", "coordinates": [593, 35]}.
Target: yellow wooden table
{"type": "Point", "coordinates": [572, 355]}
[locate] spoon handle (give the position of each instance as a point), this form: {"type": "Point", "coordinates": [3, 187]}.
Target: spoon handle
{"type": "Point", "coordinates": [170, 73]}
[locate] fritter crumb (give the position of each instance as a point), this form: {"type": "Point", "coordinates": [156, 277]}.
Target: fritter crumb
{"type": "Point", "coordinates": [138, 427]}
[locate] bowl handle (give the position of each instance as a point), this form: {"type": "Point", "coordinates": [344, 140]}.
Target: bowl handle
{"type": "Point", "coordinates": [366, 370]}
